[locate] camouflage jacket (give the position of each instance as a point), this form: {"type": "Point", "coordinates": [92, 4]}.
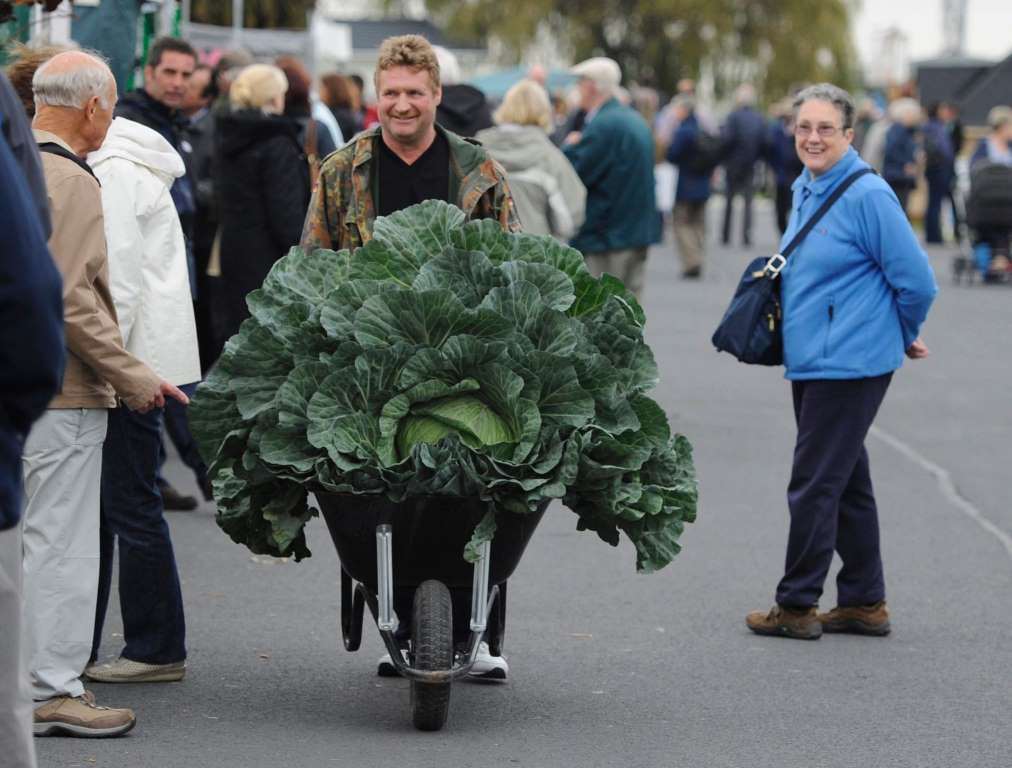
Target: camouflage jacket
{"type": "Point", "coordinates": [342, 210]}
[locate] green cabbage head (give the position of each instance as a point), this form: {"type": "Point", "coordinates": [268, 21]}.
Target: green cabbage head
{"type": "Point", "coordinates": [444, 357]}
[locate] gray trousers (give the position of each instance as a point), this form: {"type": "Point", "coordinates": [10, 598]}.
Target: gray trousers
{"type": "Point", "coordinates": [62, 463]}
{"type": "Point", "coordinates": [627, 264]}
{"type": "Point", "coordinates": [16, 745]}
{"type": "Point", "coordinates": [689, 223]}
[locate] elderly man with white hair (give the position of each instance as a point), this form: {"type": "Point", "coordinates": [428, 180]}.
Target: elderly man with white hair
{"type": "Point", "coordinates": [614, 156]}
{"type": "Point", "coordinates": [62, 460]}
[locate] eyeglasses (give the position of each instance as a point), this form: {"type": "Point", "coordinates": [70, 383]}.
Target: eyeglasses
{"type": "Point", "coordinates": [824, 131]}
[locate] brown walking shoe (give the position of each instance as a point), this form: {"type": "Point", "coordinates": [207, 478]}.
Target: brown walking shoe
{"type": "Point", "coordinates": [786, 622]}
{"type": "Point", "coordinates": [858, 619]}
{"type": "Point", "coordinates": [80, 716]}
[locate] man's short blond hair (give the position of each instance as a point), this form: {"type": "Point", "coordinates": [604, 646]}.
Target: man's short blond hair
{"type": "Point", "coordinates": [411, 51]}
{"type": "Point", "coordinates": [526, 103]}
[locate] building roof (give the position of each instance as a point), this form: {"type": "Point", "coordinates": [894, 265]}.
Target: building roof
{"type": "Point", "coordinates": [368, 34]}
{"type": "Point", "coordinates": [262, 43]}
{"type": "Point", "coordinates": [974, 85]}
{"type": "Point", "coordinates": [989, 90]}
{"type": "Point", "coordinates": [955, 61]}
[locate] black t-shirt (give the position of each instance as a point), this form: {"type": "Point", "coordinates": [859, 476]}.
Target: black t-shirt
{"type": "Point", "coordinates": [402, 185]}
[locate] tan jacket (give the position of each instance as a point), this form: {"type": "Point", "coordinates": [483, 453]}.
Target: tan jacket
{"type": "Point", "coordinates": [98, 367]}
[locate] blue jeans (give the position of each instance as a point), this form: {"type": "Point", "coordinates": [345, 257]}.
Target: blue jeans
{"type": "Point", "coordinates": [149, 594]}
{"type": "Point", "coordinates": [830, 495]}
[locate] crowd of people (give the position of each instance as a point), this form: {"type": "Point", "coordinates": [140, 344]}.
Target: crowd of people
{"type": "Point", "coordinates": [165, 207]}
{"type": "Point", "coordinates": [908, 145]}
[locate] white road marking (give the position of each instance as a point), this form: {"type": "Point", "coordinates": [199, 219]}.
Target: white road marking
{"type": "Point", "coordinates": [946, 486]}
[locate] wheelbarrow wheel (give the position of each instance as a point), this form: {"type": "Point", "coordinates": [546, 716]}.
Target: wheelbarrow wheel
{"type": "Point", "coordinates": [432, 646]}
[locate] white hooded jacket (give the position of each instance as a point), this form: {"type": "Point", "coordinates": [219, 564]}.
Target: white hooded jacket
{"type": "Point", "coordinates": [147, 254]}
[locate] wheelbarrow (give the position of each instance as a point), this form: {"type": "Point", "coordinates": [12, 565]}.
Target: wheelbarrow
{"type": "Point", "coordinates": [411, 554]}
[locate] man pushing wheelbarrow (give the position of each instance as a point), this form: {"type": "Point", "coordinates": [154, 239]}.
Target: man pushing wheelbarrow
{"type": "Point", "coordinates": [435, 378]}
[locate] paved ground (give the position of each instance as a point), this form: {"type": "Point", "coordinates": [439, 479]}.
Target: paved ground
{"type": "Point", "coordinates": [614, 669]}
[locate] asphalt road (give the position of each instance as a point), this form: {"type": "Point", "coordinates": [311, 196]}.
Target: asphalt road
{"type": "Point", "coordinates": [614, 669]}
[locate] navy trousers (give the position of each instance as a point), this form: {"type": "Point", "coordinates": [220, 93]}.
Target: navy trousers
{"type": "Point", "coordinates": [939, 189]}
{"type": "Point", "coordinates": [830, 495]}
{"type": "Point", "coordinates": [744, 186]}
{"type": "Point", "coordinates": [177, 425]}
{"type": "Point", "coordinates": [150, 597]}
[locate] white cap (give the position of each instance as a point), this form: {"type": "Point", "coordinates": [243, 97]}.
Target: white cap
{"type": "Point", "coordinates": [602, 70]}
{"type": "Point", "coordinates": [449, 67]}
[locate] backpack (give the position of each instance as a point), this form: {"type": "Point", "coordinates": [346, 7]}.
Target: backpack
{"type": "Point", "coordinates": [707, 153]}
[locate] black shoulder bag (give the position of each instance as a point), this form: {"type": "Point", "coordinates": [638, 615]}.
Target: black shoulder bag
{"type": "Point", "coordinates": [751, 328]}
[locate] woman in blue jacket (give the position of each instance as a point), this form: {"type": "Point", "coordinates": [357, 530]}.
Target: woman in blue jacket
{"type": "Point", "coordinates": [854, 295]}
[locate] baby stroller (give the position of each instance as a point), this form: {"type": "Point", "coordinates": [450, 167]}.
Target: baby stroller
{"type": "Point", "coordinates": [989, 217]}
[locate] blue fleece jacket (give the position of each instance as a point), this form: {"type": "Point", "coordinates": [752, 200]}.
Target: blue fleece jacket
{"type": "Point", "coordinates": [857, 289]}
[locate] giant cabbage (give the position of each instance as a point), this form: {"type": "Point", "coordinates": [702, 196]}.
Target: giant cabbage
{"type": "Point", "coordinates": [445, 357]}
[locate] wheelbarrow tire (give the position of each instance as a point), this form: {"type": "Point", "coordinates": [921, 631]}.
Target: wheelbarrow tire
{"type": "Point", "coordinates": [432, 647]}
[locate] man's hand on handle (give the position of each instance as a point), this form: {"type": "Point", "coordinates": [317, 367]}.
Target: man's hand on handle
{"type": "Point", "coordinates": [165, 389]}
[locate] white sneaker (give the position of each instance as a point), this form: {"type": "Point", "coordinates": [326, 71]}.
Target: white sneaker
{"type": "Point", "coordinates": [385, 666]}
{"type": "Point", "coordinates": [488, 667]}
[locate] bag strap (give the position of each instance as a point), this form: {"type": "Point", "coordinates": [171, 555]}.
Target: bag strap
{"type": "Point", "coordinates": [312, 152]}
{"type": "Point", "coordinates": [52, 148]}
{"type": "Point", "coordinates": [779, 260]}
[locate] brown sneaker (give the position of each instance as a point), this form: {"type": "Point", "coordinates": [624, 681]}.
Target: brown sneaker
{"type": "Point", "coordinates": [858, 620]}
{"type": "Point", "coordinates": [786, 622]}
{"type": "Point", "coordinates": [81, 716]}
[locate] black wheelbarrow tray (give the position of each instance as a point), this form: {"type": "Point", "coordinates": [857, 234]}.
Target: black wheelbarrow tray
{"type": "Point", "coordinates": [416, 546]}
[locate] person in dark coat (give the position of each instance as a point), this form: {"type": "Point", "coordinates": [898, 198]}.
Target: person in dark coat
{"type": "Point", "coordinates": [31, 367]}
{"type": "Point", "coordinates": [463, 108]}
{"type": "Point", "coordinates": [949, 115]}
{"type": "Point", "coordinates": [939, 172]}
{"type": "Point", "coordinates": [263, 187]}
{"type": "Point", "coordinates": [899, 166]}
{"type": "Point", "coordinates": [744, 139]}
{"type": "Point", "coordinates": [200, 134]}
{"type": "Point", "coordinates": [692, 191]}
{"type": "Point", "coordinates": [784, 162]}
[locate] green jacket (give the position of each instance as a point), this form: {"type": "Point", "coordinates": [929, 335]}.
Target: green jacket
{"type": "Point", "coordinates": [343, 209]}
{"type": "Point", "coordinates": [615, 161]}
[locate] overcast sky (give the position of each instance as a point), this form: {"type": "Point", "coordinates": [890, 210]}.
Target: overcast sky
{"type": "Point", "coordinates": [988, 26]}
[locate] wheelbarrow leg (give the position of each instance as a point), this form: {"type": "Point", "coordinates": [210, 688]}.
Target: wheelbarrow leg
{"type": "Point", "coordinates": [497, 623]}
{"type": "Point", "coordinates": [386, 619]}
{"type": "Point", "coordinates": [352, 610]}
{"type": "Point", "coordinates": [479, 589]}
